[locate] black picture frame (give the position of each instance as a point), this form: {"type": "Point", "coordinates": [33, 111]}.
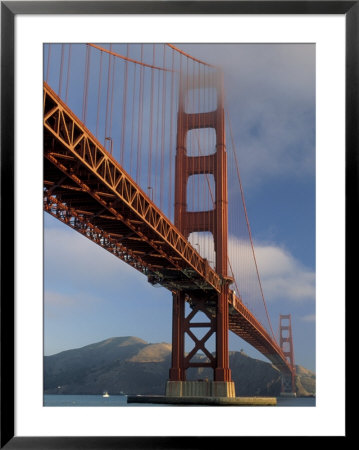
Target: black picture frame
{"type": "Point", "coordinates": [9, 9]}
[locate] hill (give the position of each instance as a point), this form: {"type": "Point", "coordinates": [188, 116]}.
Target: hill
{"type": "Point", "coordinates": [133, 366]}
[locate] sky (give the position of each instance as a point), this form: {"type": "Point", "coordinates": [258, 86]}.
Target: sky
{"type": "Point", "coordinates": [90, 295]}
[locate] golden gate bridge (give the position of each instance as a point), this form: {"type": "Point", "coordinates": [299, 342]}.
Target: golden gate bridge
{"type": "Point", "coordinates": [138, 160]}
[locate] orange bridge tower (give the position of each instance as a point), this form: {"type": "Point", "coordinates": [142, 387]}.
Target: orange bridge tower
{"type": "Point", "coordinates": [286, 344]}
{"type": "Point", "coordinates": [215, 221]}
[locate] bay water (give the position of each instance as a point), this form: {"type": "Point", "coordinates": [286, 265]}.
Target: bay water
{"type": "Point", "coordinates": [121, 400]}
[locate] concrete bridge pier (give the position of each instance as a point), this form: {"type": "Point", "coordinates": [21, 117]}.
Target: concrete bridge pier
{"type": "Point", "coordinates": [222, 384]}
{"type": "Point", "coordinates": [200, 389]}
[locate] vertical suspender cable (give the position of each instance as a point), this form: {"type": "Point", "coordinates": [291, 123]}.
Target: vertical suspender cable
{"type": "Point", "coordinates": [157, 135]}
{"type": "Point", "coordinates": [86, 84]}
{"type": "Point", "coordinates": [48, 62]}
{"type": "Point", "coordinates": [124, 106]}
{"type": "Point", "coordinates": [61, 68]}
{"type": "Point", "coordinates": [140, 112]}
{"type": "Point", "coordinates": [171, 139]}
{"type": "Point", "coordinates": [108, 94]}
{"type": "Point", "coordinates": [150, 134]}
{"type": "Point", "coordinates": [111, 109]}
{"type": "Point", "coordinates": [163, 127]}
{"type": "Point", "coordinates": [99, 94]}
{"type": "Point", "coordinates": [247, 222]}
{"type": "Point", "coordinates": [133, 115]}
{"type": "Point", "coordinates": [68, 74]}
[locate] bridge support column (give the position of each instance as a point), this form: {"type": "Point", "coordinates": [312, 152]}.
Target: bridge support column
{"type": "Point", "coordinates": [177, 372]}
{"type": "Point", "coordinates": [223, 386]}
{"type": "Point", "coordinates": [222, 371]}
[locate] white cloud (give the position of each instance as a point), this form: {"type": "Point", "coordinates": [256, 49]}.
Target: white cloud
{"type": "Point", "coordinates": [79, 262]}
{"type": "Point", "coordinates": [282, 276]}
{"type": "Point", "coordinates": [273, 140]}
{"type": "Point", "coordinates": [270, 92]}
{"type": "Point", "coordinates": [308, 318]}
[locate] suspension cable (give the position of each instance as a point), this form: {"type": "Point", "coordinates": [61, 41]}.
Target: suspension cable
{"type": "Point", "coordinates": [189, 56]}
{"type": "Point", "coordinates": [126, 58]}
{"type": "Point", "coordinates": [247, 221]}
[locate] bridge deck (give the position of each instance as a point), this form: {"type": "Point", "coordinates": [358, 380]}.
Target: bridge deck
{"type": "Point", "coordinates": [86, 188]}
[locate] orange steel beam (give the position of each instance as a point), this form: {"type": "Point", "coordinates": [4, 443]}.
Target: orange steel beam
{"type": "Point", "coordinates": [85, 188]}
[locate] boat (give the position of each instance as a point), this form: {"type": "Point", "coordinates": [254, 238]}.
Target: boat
{"type": "Point", "coordinates": [106, 394]}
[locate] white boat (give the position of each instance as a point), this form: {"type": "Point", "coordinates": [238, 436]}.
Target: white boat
{"type": "Point", "coordinates": [105, 394]}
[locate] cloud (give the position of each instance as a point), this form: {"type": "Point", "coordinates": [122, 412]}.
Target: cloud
{"type": "Point", "coordinates": [72, 262]}
{"type": "Point", "coordinates": [282, 276]}
{"type": "Point", "coordinates": [308, 318]}
{"type": "Point", "coordinates": [273, 140]}
{"type": "Point", "coordinates": [270, 96]}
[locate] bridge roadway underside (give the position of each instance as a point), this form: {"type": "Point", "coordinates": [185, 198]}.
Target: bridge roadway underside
{"type": "Point", "coordinates": [85, 188]}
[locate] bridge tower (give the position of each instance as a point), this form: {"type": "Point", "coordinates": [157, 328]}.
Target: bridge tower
{"type": "Point", "coordinates": [286, 344]}
{"type": "Point", "coordinates": [214, 221]}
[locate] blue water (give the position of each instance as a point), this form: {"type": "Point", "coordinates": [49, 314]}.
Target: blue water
{"type": "Point", "coordinates": [88, 400]}
{"type": "Point", "coordinates": [121, 400]}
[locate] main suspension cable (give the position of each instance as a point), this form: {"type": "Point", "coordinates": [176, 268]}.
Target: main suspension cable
{"type": "Point", "coordinates": [247, 222]}
{"type": "Point", "coordinates": [126, 58]}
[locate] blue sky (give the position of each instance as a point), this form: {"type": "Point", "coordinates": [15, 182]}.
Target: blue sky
{"type": "Point", "coordinates": [89, 295]}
